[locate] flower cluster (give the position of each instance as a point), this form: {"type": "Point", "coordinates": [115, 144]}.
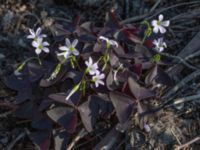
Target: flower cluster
{"type": "Point", "coordinates": [38, 42]}
{"type": "Point", "coordinates": [92, 68]}
{"type": "Point", "coordinates": [159, 26]}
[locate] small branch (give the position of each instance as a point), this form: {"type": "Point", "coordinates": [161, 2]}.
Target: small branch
{"type": "Point", "coordinates": [81, 134]}
{"type": "Point", "coordinates": [155, 5]}
{"type": "Point", "coordinates": [177, 139]}
{"type": "Point", "coordinates": [181, 83]}
{"type": "Point", "coordinates": [3, 115]}
{"type": "Point", "coordinates": [185, 99]}
{"type": "Point", "coordinates": [188, 143]}
{"type": "Point", "coordinates": [181, 60]}
{"type": "Point", "coordinates": [12, 144]}
{"type": "Point", "coordinates": [137, 18]}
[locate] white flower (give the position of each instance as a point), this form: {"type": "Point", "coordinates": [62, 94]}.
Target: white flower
{"type": "Point", "coordinates": [92, 67]}
{"type": "Point", "coordinates": [160, 45]}
{"type": "Point", "coordinates": [69, 48]}
{"type": "Point", "coordinates": [98, 79]}
{"type": "Point", "coordinates": [40, 46]}
{"type": "Point", "coordinates": [108, 41]}
{"type": "Point", "coordinates": [159, 25]}
{"type": "Point", "coordinates": [35, 35]}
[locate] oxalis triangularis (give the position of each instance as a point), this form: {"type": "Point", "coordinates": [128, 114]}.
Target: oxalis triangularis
{"type": "Point", "coordinates": [89, 74]}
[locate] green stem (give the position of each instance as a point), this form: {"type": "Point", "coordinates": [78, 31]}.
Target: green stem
{"type": "Point", "coordinates": [27, 60]}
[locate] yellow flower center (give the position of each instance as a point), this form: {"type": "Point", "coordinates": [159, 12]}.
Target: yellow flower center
{"type": "Point", "coordinates": [71, 48]}
{"type": "Point", "coordinates": [158, 23]}
{"type": "Point", "coordinates": [40, 46]}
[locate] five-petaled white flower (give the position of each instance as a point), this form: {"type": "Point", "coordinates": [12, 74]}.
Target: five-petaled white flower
{"type": "Point", "coordinates": [35, 35]}
{"type": "Point", "coordinates": [160, 45]}
{"type": "Point", "coordinates": [92, 67]}
{"type": "Point", "coordinates": [159, 25]}
{"type": "Point", "coordinates": [108, 41]}
{"type": "Point", "coordinates": [40, 46]}
{"type": "Point", "coordinates": [97, 79]}
{"type": "Point", "coordinates": [69, 48]}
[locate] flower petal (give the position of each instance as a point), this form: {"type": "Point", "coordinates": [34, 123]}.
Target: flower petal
{"type": "Point", "coordinates": [67, 42]}
{"type": "Point", "coordinates": [155, 29]}
{"type": "Point", "coordinates": [46, 50]}
{"type": "Point", "coordinates": [101, 82]}
{"type": "Point", "coordinates": [32, 32]}
{"type": "Point", "coordinates": [90, 61]}
{"type": "Point", "coordinates": [61, 54]}
{"type": "Point", "coordinates": [103, 38]}
{"type": "Point", "coordinates": [45, 44]}
{"type": "Point", "coordinates": [114, 43]}
{"type": "Point", "coordinates": [161, 49]}
{"type": "Point", "coordinates": [66, 55]}
{"type": "Point", "coordinates": [75, 52]}
{"type": "Point", "coordinates": [35, 44]}
{"type": "Point", "coordinates": [74, 43]}
{"type": "Point", "coordinates": [154, 23]}
{"type": "Point", "coordinates": [38, 51]}
{"type": "Point", "coordinates": [30, 36]}
{"type": "Point", "coordinates": [96, 84]}
{"type": "Point", "coordinates": [165, 23]}
{"type": "Point", "coordinates": [162, 29]}
{"type": "Point", "coordinates": [63, 48]}
{"type": "Point", "coordinates": [160, 17]}
{"type": "Point", "coordinates": [38, 31]}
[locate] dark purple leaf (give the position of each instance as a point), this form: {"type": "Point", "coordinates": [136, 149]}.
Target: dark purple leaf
{"type": "Point", "coordinates": [61, 97]}
{"type": "Point", "coordinates": [90, 110]}
{"type": "Point", "coordinates": [76, 76]}
{"type": "Point", "coordinates": [45, 82]}
{"type": "Point", "coordinates": [45, 104]}
{"type": "Point", "coordinates": [137, 68]}
{"type": "Point", "coordinates": [41, 139]}
{"type": "Point", "coordinates": [113, 135]}
{"type": "Point", "coordinates": [35, 71]}
{"type": "Point", "coordinates": [112, 21]}
{"type": "Point", "coordinates": [22, 85]}
{"type": "Point", "coordinates": [138, 91]}
{"type": "Point", "coordinates": [110, 83]}
{"type": "Point", "coordinates": [158, 76]}
{"type": "Point", "coordinates": [65, 116]}
{"type": "Point", "coordinates": [61, 139]}
{"type": "Point", "coordinates": [123, 105]}
{"type": "Point", "coordinates": [114, 60]}
{"type": "Point", "coordinates": [41, 121]}
{"type": "Point", "coordinates": [119, 50]}
{"type": "Point", "coordinates": [26, 110]}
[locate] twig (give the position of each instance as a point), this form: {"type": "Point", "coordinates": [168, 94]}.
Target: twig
{"type": "Point", "coordinates": [176, 137]}
{"type": "Point", "coordinates": [127, 8]}
{"type": "Point", "coordinates": [193, 55]}
{"type": "Point", "coordinates": [137, 18]}
{"type": "Point", "coordinates": [181, 60]}
{"type": "Point", "coordinates": [155, 5]}
{"type": "Point", "coordinates": [188, 143]}
{"type": "Point", "coordinates": [184, 100]}
{"type": "Point", "coordinates": [3, 115]}
{"type": "Point", "coordinates": [182, 83]}
{"type": "Point", "coordinates": [12, 144]}
{"type": "Point", "coordinates": [81, 134]}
